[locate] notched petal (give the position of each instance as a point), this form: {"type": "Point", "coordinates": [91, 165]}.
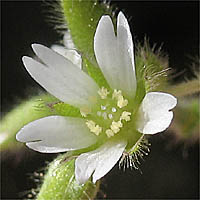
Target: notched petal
{"type": "Point", "coordinates": [70, 54]}
{"type": "Point", "coordinates": [155, 113]}
{"type": "Point", "coordinates": [56, 134]}
{"type": "Point", "coordinates": [98, 162]}
{"type": "Point", "coordinates": [114, 54]}
{"type": "Point", "coordinates": [60, 77]}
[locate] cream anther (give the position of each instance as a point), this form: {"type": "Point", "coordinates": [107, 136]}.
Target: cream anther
{"type": "Point", "coordinates": [122, 102]}
{"type": "Point", "coordinates": [90, 124]}
{"type": "Point", "coordinates": [109, 133]}
{"type": "Point", "coordinates": [125, 116]}
{"type": "Point", "coordinates": [96, 129]}
{"type": "Point", "coordinates": [103, 93]}
{"type": "Point", "coordinates": [116, 94]}
{"type": "Point", "coordinates": [115, 126]}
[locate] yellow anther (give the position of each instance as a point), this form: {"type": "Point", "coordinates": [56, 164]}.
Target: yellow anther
{"type": "Point", "coordinates": [125, 116]}
{"type": "Point", "coordinates": [116, 94]}
{"type": "Point", "coordinates": [109, 133]}
{"type": "Point", "coordinates": [103, 93]}
{"type": "Point", "coordinates": [85, 111]}
{"type": "Point", "coordinates": [122, 102]}
{"type": "Point", "coordinates": [115, 126]}
{"type": "Point", "coordinates": [90, 124]}
{"type": "Point", "coordinates": [96, 129]}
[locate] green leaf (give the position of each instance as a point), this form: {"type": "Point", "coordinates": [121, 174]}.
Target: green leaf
{"type": "Point", "coordinates": [59, 183]}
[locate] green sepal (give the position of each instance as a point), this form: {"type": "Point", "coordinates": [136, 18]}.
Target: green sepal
{"type": "Point", "coordinates": [151, 67]}
{"type": "Point", "coordinates": [28, 111]}
{"type": "Point", "coordinates": [64, 109]}
{"type": "Point", "coordinates": [140, 92]}
{"type": "Point", "coordinates": [96, 74]}
{"type": "Point", "coordinates": [82, 18]}
{"type": "Point", "coordinates": [59, 182]}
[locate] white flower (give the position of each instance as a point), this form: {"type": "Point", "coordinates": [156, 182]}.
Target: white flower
{"type": "Point", "coordinates": [109, 112]}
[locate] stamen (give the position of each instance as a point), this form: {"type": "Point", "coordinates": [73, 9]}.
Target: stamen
{"type": "Point", "coordinates": [125, 116]}
{"type": "Point", "coordinates": [90, 124]}
{"type": "Point", "coordinates": [109, 133]}
{"type": "Point", "coordinates": [116, 94]}
{"type": "Point", "coordinates": [96, 129]}
{"type": "Point", "coordinates": [122, 102]}
{"type": "Point", "coordinates": [115, 126]}
{"type": "Point", "coordinates": [103, 93]}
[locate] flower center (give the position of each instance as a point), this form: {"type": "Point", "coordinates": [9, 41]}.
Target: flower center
{"type": "Point", "coordinates": [109, 115]}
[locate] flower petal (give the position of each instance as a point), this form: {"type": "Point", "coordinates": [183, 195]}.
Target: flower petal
{"type": "Point", "coordinates": [70, 54]}
{"type": "Point", "coordinates": [61, 77]}
{"type": "Point", "coordinates": [115, 54]}
{"type": "Point", "coordinates": [99, 161]}
{"type": "Point", "coordinates": [56, 134]}
{"type": "Point", "coordinates": [154, 113]}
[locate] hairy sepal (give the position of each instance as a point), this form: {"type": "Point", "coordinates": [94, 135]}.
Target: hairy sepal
{"type": "Point", "coordinates": [59, 182]}
{"type": "Point", "coordinates": [64, 109]}
{"type": "Point", "coordinates": [151, 67]}
{"type": "Point", "coordinates": [28, 111]}
{"type": "Point", "coordinates": [82, 18]}
{"type": "Point", "coordinates": [96, 74]}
